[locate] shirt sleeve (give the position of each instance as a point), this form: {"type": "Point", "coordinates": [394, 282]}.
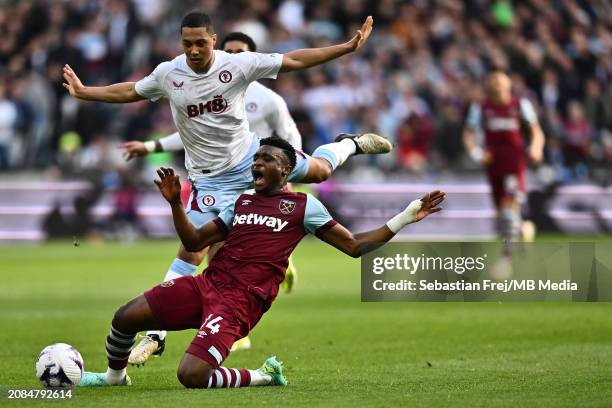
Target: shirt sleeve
{"type": "Point", "coordinates": [282, 123]}
{"type": "Point", "coordinates": [172, 143]}
{"type": "Point", "coordinates": [527, 111]}
{"type": "Point", "coordinates": [226, 217]}
{"type": "Point", "coordinates": [150, 87]}
{"type": "Point", "coordinates": [474, 118]}
{"type": "Point", "coordinates": [316, 217]}
{"type": "Point", "coordinates": [256, 65]}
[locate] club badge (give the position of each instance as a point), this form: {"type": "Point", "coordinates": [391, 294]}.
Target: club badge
{"type": "Point", "coordinates": [286, 206]}
{"type": "Point", "coordinates": [208, 200]}
{"type": "Point", "coordinates": [225, 76]}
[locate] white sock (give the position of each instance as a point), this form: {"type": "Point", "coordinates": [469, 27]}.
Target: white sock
{"type": "Point", "coordinates": [348, 146]}
{"type": "Point", "coordinates": [336, 153]}
{"type": "Point", "coordinates": [258, 378]}
{"type": "Point", "coordinates": [114, 377]}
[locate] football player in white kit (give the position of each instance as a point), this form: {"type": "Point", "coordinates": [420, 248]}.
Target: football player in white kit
{"type": "Point", "coordinates": [206, 90]}
{"type": "Point", "coordinates": [266, 111]}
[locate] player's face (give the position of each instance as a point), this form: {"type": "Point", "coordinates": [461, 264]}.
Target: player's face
{"type": "Point", "coordinates": [235, 47]}
{"type": "Point", "coordinates": [198, 46]}
{"type": "Point", "coordinates": [270, 169]}
{"type": "Point", "coordinates": [498, 86]}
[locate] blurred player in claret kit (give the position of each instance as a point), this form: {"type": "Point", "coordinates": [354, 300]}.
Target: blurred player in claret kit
{"type": "Point", "coordinates": [501, 116]}
{"type": "Point", "coordinates": [206, 89]}
{"type": "Point", "coordinates": [227, 300]}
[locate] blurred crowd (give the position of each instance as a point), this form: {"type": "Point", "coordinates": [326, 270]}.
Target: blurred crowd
{"type": "Point", "coordinates": [413, 82]}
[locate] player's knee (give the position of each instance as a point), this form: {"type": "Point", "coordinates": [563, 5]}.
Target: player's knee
{"type": "Point", "coordinates": [193, 377]}
{"type": "Point", "coordinates": [121, 318]}
{"type": "Point", "coordinates": [321, 172]}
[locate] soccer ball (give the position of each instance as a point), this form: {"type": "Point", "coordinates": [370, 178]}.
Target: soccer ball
{"type": "Point", "coordinates": [59, 366]}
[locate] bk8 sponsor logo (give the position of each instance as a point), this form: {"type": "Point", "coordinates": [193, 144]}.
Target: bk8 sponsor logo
{"type": "Point", "coordinates": [216, 106]}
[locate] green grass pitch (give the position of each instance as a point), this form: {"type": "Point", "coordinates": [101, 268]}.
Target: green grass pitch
{"type": "Point", "coordinates": [337, 351]}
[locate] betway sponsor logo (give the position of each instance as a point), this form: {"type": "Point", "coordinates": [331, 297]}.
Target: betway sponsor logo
{"type": "Point", "coordinates": [275, 223]}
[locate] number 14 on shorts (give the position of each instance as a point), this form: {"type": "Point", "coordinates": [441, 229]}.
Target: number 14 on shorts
{"type": "Point", "coordinates": [211, 324]}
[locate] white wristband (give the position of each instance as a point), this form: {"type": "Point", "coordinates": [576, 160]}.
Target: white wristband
{"type": "Point", "coordinates": [408, 216]}
{"type": "Point", "coordinates": [150, 146]}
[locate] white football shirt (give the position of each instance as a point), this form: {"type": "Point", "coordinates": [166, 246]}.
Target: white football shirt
{"type": "Point", "coordinates": [209, 108]}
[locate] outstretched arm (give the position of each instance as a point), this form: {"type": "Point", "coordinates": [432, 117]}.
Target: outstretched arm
{"type": "Point", "coordinates": [356, 245]}
{"type": "Point", "coordinates": [116, 93]}
{"type": "Point", "coordinates": [192, 238]}
{"type": "Point", "coordinates": [308, 57]}
{"type": "Point", "coordinates": [136, 148]}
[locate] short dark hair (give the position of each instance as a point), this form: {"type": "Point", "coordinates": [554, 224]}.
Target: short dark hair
{"type": "Point", "coordinates": [282, 144]}
{"type": "Point", "coordinates": [242, 37]}
{"type": "Point", "coordinates": [198, 19]}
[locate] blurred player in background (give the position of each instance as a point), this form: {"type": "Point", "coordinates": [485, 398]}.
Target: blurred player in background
{"type": "Point", "coordinates": [267, 114]}
{"type": "Point", "coordinates": [206, 88]}
{"type": "Point", "coordinates": [229, 298]}
{"type": "Point", "coordinates": [501, 116]}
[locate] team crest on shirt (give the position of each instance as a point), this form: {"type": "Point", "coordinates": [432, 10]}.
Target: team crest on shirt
{"type": "Point", "coordinates": [251, 107]}
{"type": "Point", "coordinates": [178, 86]}
{"type": "Point", "coordinates": [225, 76]}
{"type": "Point", "coordinates": [167, 284]}
{"type": "Point", "coordinates": [286, 206]}
{"type": "Point", "coordinates": [208, 200]}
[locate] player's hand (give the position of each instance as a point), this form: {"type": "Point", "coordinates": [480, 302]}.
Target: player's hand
{"type": "Point", "coordinates": [169, 184]}
{"type": "Point", "coordinates": [73, 83]}
{"type": "Point", "coordinates": [535, 154]}
{"type": "Point", "coordinates": [430, 203]}
{"type": "Point", "coordinates": [362, 34]}
{"type": "Point", "coordinates": [132, 149]}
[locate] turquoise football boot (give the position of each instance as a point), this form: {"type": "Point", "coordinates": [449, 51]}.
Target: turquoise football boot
{"type": "Point", "coordinates": [90, 379]}
{"type": "Point", "coordinates": [274, 369]}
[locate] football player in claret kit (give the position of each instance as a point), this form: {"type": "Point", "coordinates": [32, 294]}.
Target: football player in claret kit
{"type": "Point", "coordinates": [206, 90]}
{"type": "Point", "coordinates": [501, 116]}
{"type": "Point", "coordinates": [228, 299]}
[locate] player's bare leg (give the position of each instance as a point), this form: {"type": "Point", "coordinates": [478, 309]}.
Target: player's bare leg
{"type": "Point", "coordinates": [129, 319]}
{"type": "Point", "coordinates": [193, 372]}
